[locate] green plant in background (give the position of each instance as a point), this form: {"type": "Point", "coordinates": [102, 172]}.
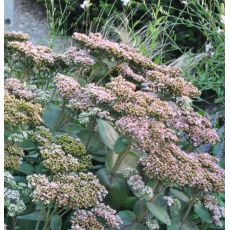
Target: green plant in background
{"type": "Point", "coordinates": [208, 72]}
{"type": "Point", "coordinates": [115, 145]}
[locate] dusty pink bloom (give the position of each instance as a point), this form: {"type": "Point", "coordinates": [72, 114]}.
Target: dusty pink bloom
{"type": "Point", "coordinates": [96, 43]}
{"type": "Point", "coordinates": [127, 72]}
{"type": "Point", "coordinates": [171, 164]}
{"type": "Point", "coordinates": [99, 93]}
{"type": "Point", "coordinates": [108, 214]}
{"type": "Point", "coordinates": [67, 86]}
{"type": "Point", "coordinates": [217, 211]}
{"type": "Point", "coordinates": [38, 54]}
{"type": "Point", "coordinates": [16, 36]}
{"type": "Point", "coordinates": [196, 126]}
{"type": "Point", "coordinates": [164, 84]}
{"type": "Point", "coordinates": [16, 88]}
{"type": "Point", "coordinates": [75, 57]}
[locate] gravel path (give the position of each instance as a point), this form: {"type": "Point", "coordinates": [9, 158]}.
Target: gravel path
{"type": "Point", "coordinates": [30, 17]}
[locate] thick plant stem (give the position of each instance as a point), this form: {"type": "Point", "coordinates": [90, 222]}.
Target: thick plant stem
{"type": "Point", "coordinates": [186, 214]}
{"type": "Point", "coordinates": [119, 160]}
{"type": "Point", "coordinates": [47, 219]}
{"type": "Point", "coordinates": [39, 221]}
{"type": "Point", "coordinates": [90, 135]}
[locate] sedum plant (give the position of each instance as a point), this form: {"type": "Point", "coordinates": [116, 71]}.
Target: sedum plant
{"type": "Point", "coordinates": [113, 143]}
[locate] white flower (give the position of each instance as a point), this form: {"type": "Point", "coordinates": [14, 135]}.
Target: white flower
{"type": "Point", "coordinates": [184, 2]}
{"type": "Point", "coordinates": [86, 4]}
{"type": "Point", "coordinates": [208, 47]}
{"type": "Point", "coordinates": [219, 30]}
{"type": "Point", "coordinates": [125, 2]}
{"type": "Point", "coordinates": [222, 19]}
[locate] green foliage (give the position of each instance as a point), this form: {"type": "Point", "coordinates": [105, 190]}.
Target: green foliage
{"type": "Point", "coordinates": [159, 212]}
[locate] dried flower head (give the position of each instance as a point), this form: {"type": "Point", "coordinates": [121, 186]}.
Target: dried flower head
{"type": "Point", "coordinates": [81, 190]}
{"type": "Point", "coordinates": [67, 86]}
{"type": "Point", "coordinates": [16, 88]}
{"type": "Point", "coordinates": [123, 52]}
{"type": "Point", "coordinates": [75, 58]}
{"type": "Point", "coordinates": [170, 86]}
{"type": "Point", "coordinates": [217, 211]}
{"type": "Point", "coordinates": [20, 112]}
{"type": "Point", "coordinates": [12, 156]}
{"type": "Point", "coordinates": [88, 220]}
{"type": "Point", "coordinates": [171, 164]}
{"type": "Point", "coordinates": [15, 36]}
{"type": "Point", "coordinates": [39, 55]}
{"type": "Point", "coordinates": [56, 160]}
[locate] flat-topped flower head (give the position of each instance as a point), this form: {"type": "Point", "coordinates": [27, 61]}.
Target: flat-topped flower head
{"type": "Point", "coordinates": [12, 156]}
{"type": "Point", "coordinates": [170, 87]}
{"type": "Point", "coordinates": [59, 161]}
{"type": "Point", "coordinates": [81, 190]}
{"type": "Point", "coordinates": [89, 220]}
{"type": "Point", "coordinates": [105, 47]}
{"type": "Point", "coordinates": [128, 73]}
{"type": "Point", "coordinates": [39, 55]}
{"type": "Point", "coordinates": [67, 86]}
{"type": "Point", "coordinates": [217, 211]}
{"type": "Point", "coordinates": [75, 58]}
{"type": "Point", "coordinates": [16, 88]}
{"type": "Point", "coordinates": [71, 145]}
{"type": "Point", "coordinates": [15, 36]}
{"type": "Point", "coordinates": [21, 112]}
{"type": "Point", "coordinates": [171, 164]}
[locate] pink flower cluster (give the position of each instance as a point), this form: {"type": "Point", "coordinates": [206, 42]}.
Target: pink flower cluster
{"type": "Point", "coordinates": [15, 36]}
{"type": "Point", "coordinates": [16, 88]}
{"type": "Point", "coordinates": [217, 211]}
{"type": "Point", "coordinates": [67, 86]}
{"type": "Point", "coordinates": [196, 126]}
{"type": "Point", "coordinates": [127, 72]}
{"type": "Point", "coordinates": [166, 161]}
{"type": "Point", "coordinates": [96, 43]}
{"type": "Point", "coordinates": [38, 54]}
{"type": "Point", "coordinates": [174, 86]}
{"type": "Point", "coordinates": [74, 57]}
{"type": "Point", "coordinates": [88, 220]}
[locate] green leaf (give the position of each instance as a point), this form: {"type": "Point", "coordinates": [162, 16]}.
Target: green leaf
{"type": "Point", "coordinates": [159, 212]}
{"type": "Point", "coordinates": [40, 168]}
{"type": "Point", "coordinates": [139, 207]}
{"type": "Point", "coordinates": [111, 159]}
{"type": "Point", "coordinates": [188, 225]}
{"type": "Point", "coordinates": [127, 217]}
{"type": "Point", "coordinates": [129, 202]}
{"type": "Point", "coordinates": [56, 222]}
{"type": "Point", "coordinates": [27, 144]}
{"type": "Point", "coordinates": [202, 212]}
{"type": "Point", "coordinates": [72, 129]}
{"type": "Point", "coordinates": [121, 145]}
{"type": "Point", "coordinates": [93, 142]}
{"type": "Point", "coordinates": [26, 168]}
{"type": "Point", "coordinates": [180, 195]}
{"type": "Point", "coordinates": [50, 115]}
{"type": "Point", "coordinates": [130, 161]}
{"type": "Point", "coordinates": [107, 133]}
{"type": "Point", "coordinates": [117, 187]}
{"type": "Point", "coordinates": [34, 216]}
{"type": "Point", "coordinates": [135, 226]}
